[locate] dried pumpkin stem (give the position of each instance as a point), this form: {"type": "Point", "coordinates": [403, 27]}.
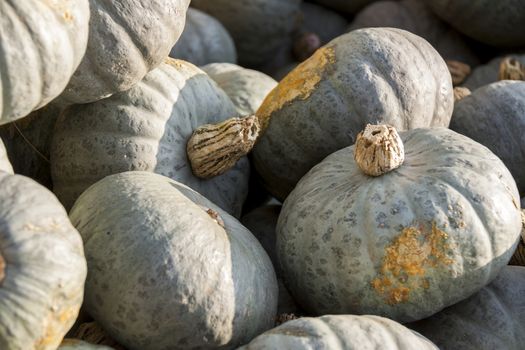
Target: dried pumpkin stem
{"type": "Point", "coordinates": [458, 70]}
{"type": "Point", "coordinates": [511, 69]}
{"type": "Point", "coordinates": [460, 93]}
{"type": "Point", "coordinates": [215, 148]}
{"type": "Point", "coordinates": [378, 150]}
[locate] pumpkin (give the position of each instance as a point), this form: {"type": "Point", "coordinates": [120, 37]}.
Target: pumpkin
{"type": "Point", "coordinates": [500, 23]}
{"type": "Point", "coordinates": [145, 128]}
{"type": "Point", "coordinates": [347, 6]}
{"type": "Point", "coordinates": [42, 267]}
{"type": "Point", "coordinates": [75, 344]}
{"type": "Point", "coordinates": [202, 279]}
{"type": "Point", "coordinates": [247, 88]}
{"type": "Point", "coordinates": [494, 115]}
{"type": "Point", "coordinates": [5, 165]}
{"type": "Point", "coordinates": [127, 39]}
{"type": "Point", "coordinates": [487, 73]}
{"type": "Point", "coordinates": [416, 17]}
{"type": "Point", "coordinates": [366, 76]}
{"type": "Point", "coordinates": [519, 255]}
{"type": "Point", "coordinates": [204, 40]}
{"type": "Point", "coordinates": [327, 24]}
{"type": "Point", "coordinates": [42, 44]}
{"type": "Point", "coordinates": [259, 27]}
{"type": "Point", "coordinates": [493, 318]}
{"type": "Point", "coordinates": [404, 244]}
{"type": "Point", "coordinates": [340, 332]}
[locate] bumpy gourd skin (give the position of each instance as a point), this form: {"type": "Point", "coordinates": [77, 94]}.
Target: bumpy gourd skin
{"type": "Point", "coordinates": [164, 274]}
{"type": "Point", "coordinates": [145, 128]}
{"type": "Point", "coordinates": [370, 75]}
{"type": "Point", "coordinates": [403, 245]}
{"type": "Point", "coordinates": [487, 74]}
{"type": "Point", "coordinates": [42, 43]}
{"type": "Point", "coordinates": [42, 267]}
{"type": "Point", "coordinates": [493, 318]}
{"type": "Point", "coordinates": [342, 332]}
{"type": "Point", "coordinates": [5, 165]}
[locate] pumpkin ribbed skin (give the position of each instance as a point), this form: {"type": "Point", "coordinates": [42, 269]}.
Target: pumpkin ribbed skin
{"type": "Point", "coordinates": [370, 75]}
{"type": "Point", "coordinates": [403, 245]}
{"type": "Point", "coordinates": [258, 27]}
{"type": "Point", "coordinates": [42, 44]}
{"type": "Point", "coordinates": [145, 128]}
{"type": "Point", "coordinates": [204, 40]}
{"type": "Point", "coordinates": [74, 344]}
{"type": "Point", "coordinates": [348, 6]}
{"type": "Point", "coordinates": [347, 332]}
{"type": "Point", "coordinates": [487, 73]}
{"type": "Point", "coordinates": [493, 318]}
{"type": "Point", "coordinates": [494, 116]}
{"type": "Point", "coordinates": [127, 39]}
{"type": "Point", "coordinates": [42, 267]}
{"type": "Point", "coordinates": [247, 88]}
{"type": "Point", "coordinates": [498, 23]}
{"type": "Point", "coordinates": [5, 165]}
{"type": "Point", "coordinates": [196, 284]}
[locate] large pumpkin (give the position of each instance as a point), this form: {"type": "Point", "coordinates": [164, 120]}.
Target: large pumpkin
{"type": "Point", "coordinates": [494, 115]}
{"type": "Point", "coordinates": [404, 244]}
{"type": "Point", "coordinates": [340, 332]}
{"type": "Point", "coordinates": [204, 40]}
{"type": "Point", "coordinates": [5, 165]}
{"type": "Point", "coordinates": [487, 73]}
{"type": "Point", "coordinates": [145, 128]}
{"type": "Point", "coordinates": [493, 318]}
{"type": "Point", "coordinates": [127, 39]}
{"type": "Point", "coordinates": [42, 267]}
{"type": "Point", "coordinates": [369, 75]}
{"type": "Point", "coordinates": [199, 279]}
{"type": "Point", "coordinates": [42, 44]}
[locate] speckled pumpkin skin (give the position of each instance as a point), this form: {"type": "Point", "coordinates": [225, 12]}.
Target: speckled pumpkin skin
{"type": "Point", "coordinates": [498, 23]}
{"type": "Point", "coordinates": [487, 73]}
{"type": "Point", "coordinates": [42, 44]}
{"type": "Point", "coordinates": [367, 76]}
{"type": "Point", "coordinates": [43, 285]}
{"type": "Point", "coordinates": [247, 88]}
{"type": "Point", "coordinates": [493, 318]}
{"type": "Point", "coordinates": [145, 128]}
{"type": "Point", "coordinates": [348, 6]}
{"type": "Point", "coordinates": [403, 245]}
{"type": "Point", "coordinates": [258, 27]}
{"type": "Point", "coordinates": [494, 116]}
{"type": "Point", "coordinates": [417, 18]}
{"type": "Point", "coordinates": [204, 40]}
{"type": "Point", "coordinates": [127, 39]}
{"type": "Point", "coordinates": [5, 165]}
{"type": "Point", "coordinates": [193, 283]}
{"type": "Point", "coordinates": [74, 344]}
{"type": "Point", "coordinates": [347, 332]}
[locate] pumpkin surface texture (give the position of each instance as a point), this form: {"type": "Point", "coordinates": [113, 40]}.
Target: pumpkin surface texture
{"type": "Point", "coordinates": [42, 267]}
{"type": "Point", "coordinates": [42, 44]}
{"type": "Point", "coordinates": [404, 244]}
{"type": "Point", "coordinates": [127, 39]}
{"type": "Point", "coordinates": [204, 40]}
{"type": "Point", "coordinates": [369, 75]}
{"type": "Point", "coordinates": [202, 280]}
{"type": "Point", "coordinates": [5, 165]}
{"type": "Point", "coordinates": [145, 128]}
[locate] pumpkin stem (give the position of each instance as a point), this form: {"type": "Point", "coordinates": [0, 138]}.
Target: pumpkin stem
{"type": "Point", "coordinates": [458, 70]}
{"type": "Point", "coordinates": [305, 45]}
{"type": "Point", "coordinates": [215, 148]}
{"type": "Point", "coordinates": [378, 150]}
{"type": "Point", "coordinates": [511, 69]}
{"type": "Point", "coordinates": [460, 93]}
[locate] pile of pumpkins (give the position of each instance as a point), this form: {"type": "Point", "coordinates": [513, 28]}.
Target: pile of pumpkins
{"type": "Point", "coordinates": [262, 174]}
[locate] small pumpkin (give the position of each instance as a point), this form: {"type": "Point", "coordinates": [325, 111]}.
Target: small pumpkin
{"type": "Point", "coordinates": [127, 39]}
{"type": "Point", "coordinates": [204, 40]}
{"type": "Point", "coordinates": [404, 244]}
{"type": "Point", "coordinates": [341, 332]}
{"type": "Point", "coordinates": [488, 73]}
{"type": "Point", "coordinates": [202, 279]}
{"type": "Point", "coordinates": [5, 165]}
{"type": "Point", "coordinates": [347, 6]}
{"type": "Point", "coordinates": [75, 344]}
{"type": "Point", "coordinates": [494, 116]}
{"type": "Point", "coordinates": [42, 44]}
{"type": "Point", "coordinates": [42, 267]}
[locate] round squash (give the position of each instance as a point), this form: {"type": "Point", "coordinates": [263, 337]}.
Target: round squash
{"type": "Point", "coordinates": [127, 39]}
{"type": "Point", "coordinates": [42, 44]}
{"type": "Point", "coordinates": [5, 165]}
{"type": "Point", "coordinates": [494, 115]}
{"type": "Point", "coordinates": [75, 344]}
{"type": "Point", "coordinates": [42, 267]}
{"type": "Point", "coordinates": [145, 128]}
{"type": "Point", "coordinates": [258, 27]}
{"type": "Point", "coordinates": [199, 278]}
{"type": "Point", "coordinates": [204, 40]}
{"type": "Point", "coordinates": [246, 88]}
{"type": "Point", "coordinates": [369, 75]}
{"type": "Point", "coordinates": [347, 6]}
{"type": "Point", "coordinates": [493, 318]}
{"type": "Point", "coordinates": [404, 244]}
{"type": "Point", "coordinates": [487, 73]}
{"type": "Point", "coordinates": [497, 23]}
{"type": "Point", "coordinates": [340, 332]}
